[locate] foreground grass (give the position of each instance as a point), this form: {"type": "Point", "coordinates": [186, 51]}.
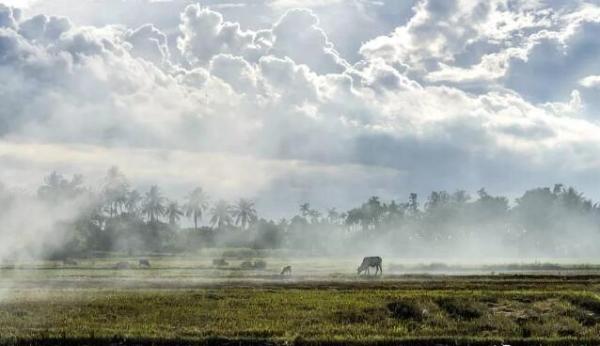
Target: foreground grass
{"type": "Point", "coordinates": [337, 314]}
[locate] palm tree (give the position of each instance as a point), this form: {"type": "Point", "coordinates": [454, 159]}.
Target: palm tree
{"type": "Point", "coordinates": [153, 204]}
{"type": "Point", "coordinates": [132, 205]}
{"type": "Point", "coordinates": [305, 209]}
{"type": "Point", "coordinates": [315, 215]}
{"type": "Point", "coordinates": [221, 214]}
{"type": "Point", "coordinates": [174, 213]}
{"type": "Point", "coordinates": [197, 203]}
{"type": "Point", "coordinates": [244, 213]}
{"type": "Point", "coordinates": [115, 190]}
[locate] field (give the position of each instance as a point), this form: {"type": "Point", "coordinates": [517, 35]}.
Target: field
{"type": "Point", "coordinates": [189, 300]}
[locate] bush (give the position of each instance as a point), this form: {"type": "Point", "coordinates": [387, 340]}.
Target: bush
{"type": "Point", "coordinates": [461, 308]}
{"type": "Point", "coordinates": [407, 310]}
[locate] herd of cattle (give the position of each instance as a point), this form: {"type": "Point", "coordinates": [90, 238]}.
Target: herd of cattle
{"type": "Point", "coordinates": [364, 268]}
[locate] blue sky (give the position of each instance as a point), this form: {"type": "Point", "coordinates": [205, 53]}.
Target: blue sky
{"type": "Point", "coordinates": [289, 101]}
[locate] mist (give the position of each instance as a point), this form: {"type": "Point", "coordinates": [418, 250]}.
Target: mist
{"type": "Point", "coordinates": [66, 219]}
{"type": "Point", "coordinates": [283, 106]}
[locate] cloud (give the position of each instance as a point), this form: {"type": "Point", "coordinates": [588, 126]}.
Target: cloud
{"type": "Point", "coordinates": [205, 34]}
{"type": "Point", "coordinates": [298, 36]}
{"type": "Point", "coordinates": [590, 82]}
{"type": "Point", "coordinates": [9, 16]}
{"type": "Point", "coordinates": [279, 106]}
{"type": "Point", "coordinates": [149, 43]}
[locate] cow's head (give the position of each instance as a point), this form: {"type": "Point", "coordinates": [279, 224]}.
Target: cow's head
{"type": "Point", "coordinates": [360, 269]}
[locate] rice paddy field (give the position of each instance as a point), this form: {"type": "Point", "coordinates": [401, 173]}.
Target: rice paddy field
{"type": "Point", "coordinates": [191, 300]}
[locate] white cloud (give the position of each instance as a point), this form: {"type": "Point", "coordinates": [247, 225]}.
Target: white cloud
{"type": "Point", "coordinates": [590, 82]}
{"type": "Point", "coordinates": [205, 34]}
{"type": "Point", "coordinates": [278, 109]}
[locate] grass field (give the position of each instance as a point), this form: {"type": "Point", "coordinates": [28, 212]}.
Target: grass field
{"type": "Point", "coordinates": [183, 300]}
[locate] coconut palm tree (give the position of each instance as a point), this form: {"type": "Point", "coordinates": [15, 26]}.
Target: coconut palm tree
{"type": "Point", "coordinates": [153, 205]}
{"type": "Point", "coordinates": [115, 190]}
{"type": "Point", "coordinates": [197, 203]}
{"type": "Point", "coordinates": [174, 213]}
{"type": "Point", "coordinates": [305, 209]}
{"type": "Point", "coordinates": [221, 214]}
{"type": "Point", "coordinates": [132, 205]}
{"type": "Point", "coordinates": [244, 213]}
{"type": "Point", "coordinates": [315, 215]}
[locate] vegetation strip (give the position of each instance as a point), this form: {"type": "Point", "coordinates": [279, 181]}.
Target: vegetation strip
{"type": "Point", "coordinates": [301, 342]}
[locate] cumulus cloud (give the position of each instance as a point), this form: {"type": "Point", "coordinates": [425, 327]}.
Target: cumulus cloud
{"type": "Point", "coordinates": [149, 43]}
{"type": "Point", "coordinates": [205, 34]}
{"type": "Point", "coordinates": [298, 36]}
{"type": "Point", "coordinates": [432, 105]}
{"type": "Point", "coordinates": [590, 82]}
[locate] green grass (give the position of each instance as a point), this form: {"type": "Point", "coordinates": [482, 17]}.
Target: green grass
{"type": "Point", "coordinates": [289, 313]}
{"type": "Point", "coordinates": [182, 300]}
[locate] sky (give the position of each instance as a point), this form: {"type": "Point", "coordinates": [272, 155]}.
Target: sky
{"type": "Point", "coordinates": [287, 101]}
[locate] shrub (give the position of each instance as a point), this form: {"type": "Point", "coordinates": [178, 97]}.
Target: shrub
{"type": "Point", "coordinates": [460, 308]}
{"type": "Point", "coordinates": [407, 310]}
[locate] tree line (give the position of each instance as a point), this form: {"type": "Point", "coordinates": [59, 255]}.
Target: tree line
{"type": "Point", "coordinates": [550, 221]}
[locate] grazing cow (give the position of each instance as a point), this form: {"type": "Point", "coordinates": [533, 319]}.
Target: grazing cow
{"type": "Point", "coordinates": [220, 262]}
{"type": "Point", "coordinates": [69, 262]}
{"type": "Point", "coordinates": [121, 265]}
{"type": "Point", "coordinates": [369, 262]}
{"type": "Point", "coordinates": [144, 263]}
{"type": "Point", "coordinates": [247, 265]}
{"type": "Point", "coordinates": [287, 270]}
{"type": "Point", "coordinates": [260, 264]}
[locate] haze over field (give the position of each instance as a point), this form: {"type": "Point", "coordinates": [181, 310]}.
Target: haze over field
{"type": "Point", "coordinates": [287, 102]}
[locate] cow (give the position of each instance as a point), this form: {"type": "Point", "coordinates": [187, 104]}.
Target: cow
{"type": "Point", "coordinates": [369, 262]}
{"type": "Point", "coordinates": [287, 270]}
{"type": "Point", "coordinates": [121, 265]}
{"type": "Point", "coordinates": [144, 263]}
{"type": "Point", "coordinates": [247, 265]}
{"type": "Point", "coordinates": [220, 262]}
{"type": "Point", "coordinates": [260, 265]}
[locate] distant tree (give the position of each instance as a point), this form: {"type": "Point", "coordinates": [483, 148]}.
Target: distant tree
{"type": "Point", "coordinates": [244, 213]}
{"type": "Point", "coordinates": [373, 211]}
{"type": "Point", "coordinates": [174, 213]}
{"type": "Point", "coordinates": [305, 209]}
{"type": "Point", "coordinates": [356, 217]}
{"type": "Point", "coordinates": [333, 215]}
{"type": "Point", "coordinates": [57, 188]}
{"type": "Point", "coordinates": [460, 197]}
{"type": "Point", "coordinates": [197, 203]}
{"type": "Point", "coordinates": [115, 191]}
{"type": "Point", "coordinates": [315, 216]}
{"type": "Point", "coordinates": [394, 213]}
{"type": "Point", "coordinates": [573, 201]}
{"type": "Point", "coordinates": [221, 214]}
{"type": "Point", "coordinates": [413, 204]}
{"type": "Point", "coordinates": [153, 205]}
{"type": "Point", "coordinates": [132, 205]}
{"type": "Point", "coordinates": [437, 199]}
